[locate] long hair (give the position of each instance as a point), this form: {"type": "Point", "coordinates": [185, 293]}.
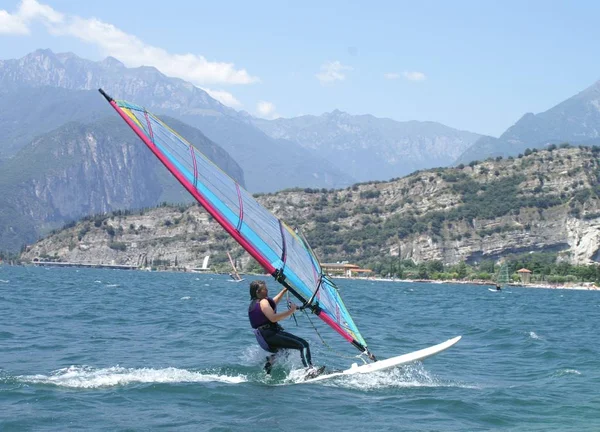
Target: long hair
{"type": "Point", "coordinates": [254, 287]}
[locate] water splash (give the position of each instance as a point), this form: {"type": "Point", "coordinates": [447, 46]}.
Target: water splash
{"type": "Point", "coordinates": [89, 377]}
{"type": "Point", "coordinates": [534, 335]}
{"type": "Point", "coordinates": [409, 376]}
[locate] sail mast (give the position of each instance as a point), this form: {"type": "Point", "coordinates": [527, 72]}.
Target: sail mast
{"type": "Point", "coordinates": [235, 275]}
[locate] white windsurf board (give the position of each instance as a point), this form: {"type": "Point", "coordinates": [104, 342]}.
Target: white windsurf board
{"type": "Point", "coordinates": [390, 362]}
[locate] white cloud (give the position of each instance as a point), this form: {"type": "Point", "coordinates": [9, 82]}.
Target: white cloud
{"type": "Point", "coordinates": [391, 75]}
{"type": "Point", "coordinates": [29, 10]}
{"type": "Point", "coordinates": [12, 24]}
{"type": "Point", "coordinates": [414, 76]}
{"type": "Point", "coordinates": [332, 71]}
{"type": "Point", "coordinates": [224, 97]}
{"type": "Point", "coordinates": [266, 110]}
{"type": "Point", "coordinates": [127, 48]}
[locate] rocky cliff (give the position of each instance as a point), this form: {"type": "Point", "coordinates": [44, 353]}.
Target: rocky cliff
{"type": "Point", "coordinates": [82, 169]}
{"type": "Point", "coordinates": [545, 202]}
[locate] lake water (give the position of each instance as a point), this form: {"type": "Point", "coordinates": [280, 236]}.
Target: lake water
{"type": "Point", "coordinates": [113, 350]}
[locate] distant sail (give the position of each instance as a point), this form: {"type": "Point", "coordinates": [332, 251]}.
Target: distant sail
{"type": "Point", "coordinates": [205, 262]}
{"type": "Point", "coordinates": [235, 276]}
{"type": "Point", "coordinates": [503, 276]}
{"type": "Point", "coordinates": [281, 251]}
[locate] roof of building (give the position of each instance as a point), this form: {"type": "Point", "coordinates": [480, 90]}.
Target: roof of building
{"type": "Point", "coordinates": [339, 265]}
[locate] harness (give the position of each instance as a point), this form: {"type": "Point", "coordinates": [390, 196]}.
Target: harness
{"type": "Point", "coordinates": [270, 326]}
{"type": "Point", "coordinates": [261, 341]}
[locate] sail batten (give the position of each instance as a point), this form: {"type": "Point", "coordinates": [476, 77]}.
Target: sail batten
{"type": "Point", "coordinates": [281, 251]}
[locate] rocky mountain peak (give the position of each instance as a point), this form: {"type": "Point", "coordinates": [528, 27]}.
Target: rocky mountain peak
{"type": "Point", "coordinates": [111, 62]}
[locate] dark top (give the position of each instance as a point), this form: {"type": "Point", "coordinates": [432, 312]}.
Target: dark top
{"type": "Point", "coordinates": [256, 315]}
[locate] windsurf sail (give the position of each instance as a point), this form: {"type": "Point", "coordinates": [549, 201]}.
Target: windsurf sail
{"type": "Point", "coordinates": [234, 274]}
{"type": "Point", "coordinates": [503, 276]}
{"type": "Point", "coordinates": [280, 250]}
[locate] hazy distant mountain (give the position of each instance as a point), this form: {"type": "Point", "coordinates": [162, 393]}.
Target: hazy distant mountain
{"type": "Point", "coordinates": [371, 148]}
{"type": "Point", "coordinates": [31, 111]}
{"type": "Point", "coordinates": [268, 164]}
{"type": "Point", "coordinates": [144, 85]}
{"type": "Point", "coordinates": [576, 120]}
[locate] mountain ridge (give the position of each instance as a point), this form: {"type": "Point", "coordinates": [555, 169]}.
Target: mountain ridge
{"type": "Point", "coordinates": [548, 201]}
{"type": "Point", "coordinates": [574, 120]}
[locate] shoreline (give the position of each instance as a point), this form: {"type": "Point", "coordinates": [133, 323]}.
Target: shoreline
{"type": "Point", "coordinates": [584, 286]}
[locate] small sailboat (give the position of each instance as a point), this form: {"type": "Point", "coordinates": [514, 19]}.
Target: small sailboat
{"type": "Point", "coordinates": [235, 276]}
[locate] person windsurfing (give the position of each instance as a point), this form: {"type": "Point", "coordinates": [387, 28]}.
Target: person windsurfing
{"type": "Point", "coordinates": [264, 319]}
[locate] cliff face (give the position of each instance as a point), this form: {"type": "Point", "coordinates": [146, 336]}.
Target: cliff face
{"type": "Point", "coordinates": [74, 171]}
{"type": "Point", "coordinates": [156, 237]}
{"type": "Point", "coordinates": [545, 202]}
{"type": "Point", "coordinates": [81, 169]}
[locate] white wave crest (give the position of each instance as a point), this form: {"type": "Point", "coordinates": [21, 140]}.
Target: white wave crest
{"type": "Point", "coordinates": [534, 335]}
{"type": "Point", "coordinates": [88, 377]}
{"type": "Point", "coordinates": [4, 281]}
{"type": "Point", "coordinates": [567, 372]}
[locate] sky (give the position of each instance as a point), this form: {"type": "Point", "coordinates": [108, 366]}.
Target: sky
{"type": "Point", "coordinates": [472, 65]}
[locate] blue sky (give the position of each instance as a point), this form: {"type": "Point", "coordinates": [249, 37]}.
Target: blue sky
{"type": "Point", "coordinates": [472, 65]}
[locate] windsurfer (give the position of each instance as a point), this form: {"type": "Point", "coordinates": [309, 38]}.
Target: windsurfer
{"type": "Point", "coordinates": [264, 320]}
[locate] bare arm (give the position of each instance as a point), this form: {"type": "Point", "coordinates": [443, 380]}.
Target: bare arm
{"type": "Point", "coordinates": [266, 308]}
{"type": "Point", "coordinates": [279, 296]}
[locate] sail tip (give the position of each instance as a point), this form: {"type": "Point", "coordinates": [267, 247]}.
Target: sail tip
{"type": "Point", "coordinates": [103, 93]}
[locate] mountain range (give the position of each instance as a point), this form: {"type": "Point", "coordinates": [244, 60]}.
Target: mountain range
{"type": "Point", "coordinates": [268, 164]}
{"type": "Point", "coordinates": [575, 120]}
{"type": "Point", "coordinates": [48, 100]}
{"type": "Point", "coordinates": [547, 203]}
{"type": "Point", "coordinates": [309, 151]}
{"type": "Point", "coordinates": [370, 148]}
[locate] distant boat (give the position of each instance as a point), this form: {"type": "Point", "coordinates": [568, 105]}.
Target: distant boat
{"type": "Point", "coordinates": [204, 267]}
{"type": "Point", "coordinates": [235, 277]}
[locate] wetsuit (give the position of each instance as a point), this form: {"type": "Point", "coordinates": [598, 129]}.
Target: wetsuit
{"type": "Point", "coordinates": [273, 333]}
